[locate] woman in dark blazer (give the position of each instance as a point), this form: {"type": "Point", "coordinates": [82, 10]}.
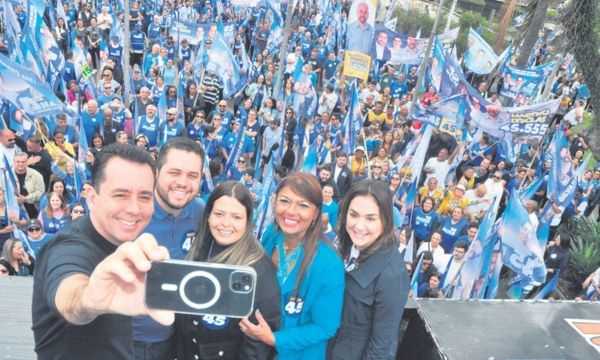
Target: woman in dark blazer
{"type": "Point", "coordinates": [226, 236]}
{"type": "Point", "coordinates": [376, 280]}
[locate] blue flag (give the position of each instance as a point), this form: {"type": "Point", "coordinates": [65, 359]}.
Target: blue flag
{"type": "Point", "coordinates": [22, 88]}
{"type": "Point", "coordinates": [549, 287]}
{"type": "Point", "coordinates": [480, 58]}
{"type": "Point", "coordinates": [353, 121]}
{"type": "Point", "coordinates": [521, 250]}
{"type": "Point", "coordinates": [222, 62]}
{"type": "Point", "coordinates": [469, 277]}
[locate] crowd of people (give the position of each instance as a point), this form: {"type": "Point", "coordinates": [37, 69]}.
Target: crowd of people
{"type": "Point", "coordinates": [200, 171]}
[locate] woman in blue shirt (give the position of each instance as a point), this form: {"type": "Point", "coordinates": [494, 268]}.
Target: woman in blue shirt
{"type": "Point", "coordinates": [195, 129]}
{"type": "Point", "coordinates": [310, 274]}
{"type": "Point", "coordinates": [56, 215]}
{"type": "Point", "coordinates": [424, 220]}
{"type": "Point", "coordinates": [376, 279]}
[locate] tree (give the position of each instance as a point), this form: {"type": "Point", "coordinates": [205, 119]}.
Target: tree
{"type": "Point", "coordinates": [535, 24]}
{"type": "Point", "coordinates": [579, 21]}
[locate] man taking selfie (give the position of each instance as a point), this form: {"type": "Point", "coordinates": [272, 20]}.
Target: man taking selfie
{"type": "Point", "coordinates": [90, 278]}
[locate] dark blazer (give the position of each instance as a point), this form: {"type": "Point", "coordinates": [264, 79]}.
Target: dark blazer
{"type": "Point", "coordinates": [374, 299]}
{"type": "Point", "coordinates": [211, 337]}
{"type": "Point", "coordinates": [344, 180]}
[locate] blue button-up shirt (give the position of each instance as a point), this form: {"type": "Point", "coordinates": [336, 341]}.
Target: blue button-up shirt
{"type": "Point", "coordinates": [176, 234]}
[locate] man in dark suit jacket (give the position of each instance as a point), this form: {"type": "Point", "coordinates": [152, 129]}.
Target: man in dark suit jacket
{"type": "Point", "coordinates": [380, 50]}
{"type": "Point", "coordinates": [342, 176]}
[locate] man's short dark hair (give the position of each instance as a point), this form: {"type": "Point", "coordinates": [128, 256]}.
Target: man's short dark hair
{"type": "Point", "coordinates": [461, 244]}
{"type": "Point", "coordinates": [127, 152]}
{"type": "Point", "coordinates": [179, 143]}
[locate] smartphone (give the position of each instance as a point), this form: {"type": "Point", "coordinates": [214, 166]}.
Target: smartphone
{"type": "Point", "coordinates": [199, 288]}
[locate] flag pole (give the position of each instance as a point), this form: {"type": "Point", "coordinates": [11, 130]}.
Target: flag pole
{"type": "Point", "coordinates": [126, 48]}
{"type": "Point", "coordinates": [427, 59]}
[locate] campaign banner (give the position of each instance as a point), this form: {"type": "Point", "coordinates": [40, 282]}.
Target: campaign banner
{"type": "Point", "coordinates": [531, 121]}
{"type": "Point", "coordinates": [222, 62]}
{"type": "Point", "coordinates": [22, 88]}
{"type": "Point", "coordinates": [479, 58]}
{"type": "Point", "coordinates": [356, 65]}
{"type": "Point", "coordinates": [361, 22]}
{"type": "Point", "coordinates": [438, 62]}
{"type": "Point", "coordinates": [397, 48]}
{"type": "Point", "coordinates": [193, 33]}
{"type": "Point", "coordinates": [521, 85]}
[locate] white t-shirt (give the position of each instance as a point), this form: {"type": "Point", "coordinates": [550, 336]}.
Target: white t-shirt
{"type": "Point", "coordinates": [440, 169]}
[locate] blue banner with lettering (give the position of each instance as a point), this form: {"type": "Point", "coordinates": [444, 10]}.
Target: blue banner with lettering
{"type": "Point", "coordinates": [23, 89]}
{"type": "Point", "coordinates": [531, 121]}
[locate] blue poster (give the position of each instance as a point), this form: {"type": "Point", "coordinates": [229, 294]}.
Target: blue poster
{"type": "Point", "coordinates": [479, 58]}
{"type": "Point", "coordinates": [521, 85]}
{"type": "Point", "coordinates": [397, 48]}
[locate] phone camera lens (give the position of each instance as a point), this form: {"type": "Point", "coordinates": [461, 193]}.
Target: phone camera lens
{"type": "Point", "coordinates": [246, 279]}
{"type": "Point", "coordinates": [237, 286]}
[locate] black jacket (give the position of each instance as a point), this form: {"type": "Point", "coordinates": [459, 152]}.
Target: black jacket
{"type": "Point", "coordinates": [344, 180]}
{"type": "Point", "coordinates": [374, 299]}
{"type": "Point", "coordinates": [214, 337]}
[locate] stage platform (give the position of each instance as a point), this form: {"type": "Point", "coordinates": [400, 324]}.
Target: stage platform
{"type": "Point", "coordinates": [433, 329]}
{"type": "Point", "coordinates": [16, 337]}
{"type": "Point", "coordinates": [502, 330]}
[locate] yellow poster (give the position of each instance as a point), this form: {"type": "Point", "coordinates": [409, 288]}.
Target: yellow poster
{"type": "Point", "coordinates": [356, 64]}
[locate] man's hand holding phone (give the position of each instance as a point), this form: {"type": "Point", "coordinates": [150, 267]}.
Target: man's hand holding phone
{"type": "Point", "coordinates": [118, 283]}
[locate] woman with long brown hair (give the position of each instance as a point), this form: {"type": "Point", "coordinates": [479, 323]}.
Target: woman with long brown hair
{"type": "Point", "coordinates": [225, 236]}
{"type": "Point", "coordinates": [309, 272]}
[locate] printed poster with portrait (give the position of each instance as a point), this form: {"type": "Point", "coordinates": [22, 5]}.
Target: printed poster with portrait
{"type": "Point", "coordinates": [361, 26]}
{"type": "Point", "coordinates": [397, 48]}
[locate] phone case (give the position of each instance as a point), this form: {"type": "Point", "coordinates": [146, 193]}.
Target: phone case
{"type": "Point", "coordinates": [199, 288]}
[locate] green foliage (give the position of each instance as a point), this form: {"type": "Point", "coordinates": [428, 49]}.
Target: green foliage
{"type": "Point", "coordinates": [412, 20]}
{"type": "Point", "coordinates": [585, 247]}
{"type": "Point", "coordinates": [473, 20]}
{"type": "Point", "coordinates": [552, 14]}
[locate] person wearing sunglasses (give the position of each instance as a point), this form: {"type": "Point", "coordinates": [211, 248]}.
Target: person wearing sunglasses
{"type": "Point", "coordinates": [36, 236]}
{"type": "Point", "coordinates": [77, 211]}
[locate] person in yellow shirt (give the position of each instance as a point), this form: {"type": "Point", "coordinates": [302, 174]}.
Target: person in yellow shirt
{"type": "Point", "coordinates": [60, 150]}
{"type": "Point", "coordinates": [431, 189]}
{"type": "Point", "coordinates": [377, 116]}
{"type": "Point", "coordinates": [358, 162]}
{"type": "Point", "coordinates": [455, 198]}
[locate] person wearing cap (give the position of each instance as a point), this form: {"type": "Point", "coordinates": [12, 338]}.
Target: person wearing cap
{"type": "Point", "coordinates": [170, 128]}
{"type": "Point", "coordinates": [36, 236]}
{"type": "Point", "coordinates": [453, 199]}
{"type": "Point", "coordinates": [358, 163]}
